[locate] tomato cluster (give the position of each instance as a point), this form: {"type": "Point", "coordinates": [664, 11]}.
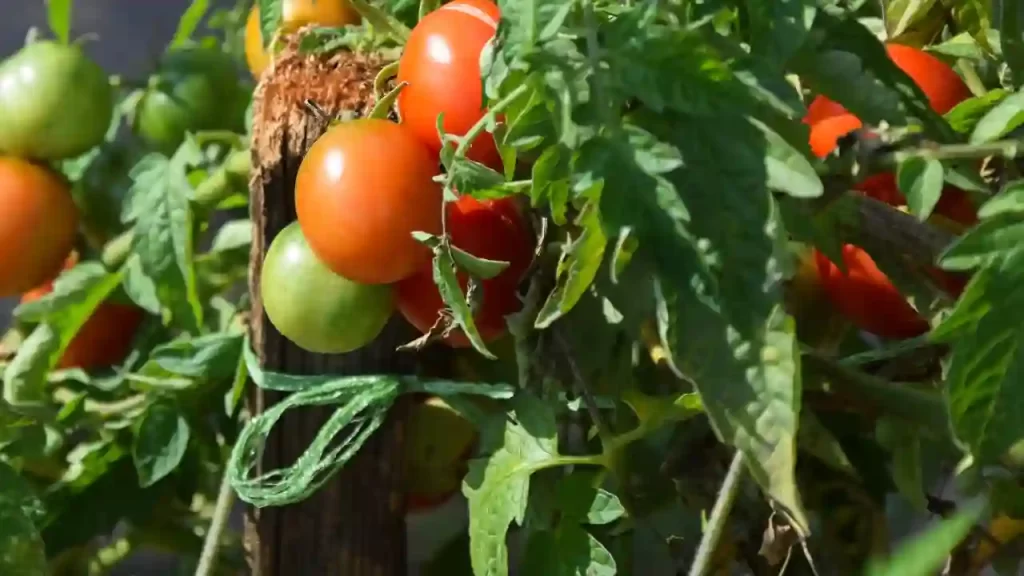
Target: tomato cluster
{"type": "Point", "coordinates": [863, 293]}
{"type": "Point", "coordinates": [332, 279]}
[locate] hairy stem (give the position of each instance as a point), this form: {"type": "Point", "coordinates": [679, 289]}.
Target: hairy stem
{"type": "Point", "coordinates": [719, 516]}
{"type": "Point", "coordinates": [211, 545]}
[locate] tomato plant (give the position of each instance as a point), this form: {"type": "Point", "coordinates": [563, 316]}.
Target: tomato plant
{"type": "Point", "coordinates": [294, 15]}
{"type": "Point", "coordinates": [441, 63]}
{"type": "Point", "coordinates": [195, 89]}
{"type": "Point", "coordinates": [491, 229]}
{"type": "Point", "coordinates": [56, 103]}
{"type": "Point", "coordinates": [38, 225]}
{"type": "Point", "coordinates": [357, 213]}
{"type": "Point", "coordinates": [314, 307]}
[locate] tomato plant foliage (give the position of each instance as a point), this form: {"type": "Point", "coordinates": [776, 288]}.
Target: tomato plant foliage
{"type": "Point", "coordinates": [727, 285]}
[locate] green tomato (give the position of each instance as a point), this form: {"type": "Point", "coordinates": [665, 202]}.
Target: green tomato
{"type": "Point", "coordinates": [196, 89]}
{"type": "Point", "coordinates": [55, 103]}
{"type": "Point", "coordinates": [314, 307]}
{"type": "Point", "coordinates": [439, 441]}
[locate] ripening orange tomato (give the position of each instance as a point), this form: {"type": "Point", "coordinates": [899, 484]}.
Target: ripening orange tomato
{"type": "Point", "coordinates": [38, 225]}
{"type": "Point", "coordinates": [441, 63]}
{"type": "Point", "coordinates": [940, 83]}
{"type": "Point", "coordinates": [294, 15]}
{"type": "Point", "coordinates": [361, 191]}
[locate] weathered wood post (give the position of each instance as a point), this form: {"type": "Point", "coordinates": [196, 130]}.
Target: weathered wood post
{"type": "Point", "coordinates": [354, 525]}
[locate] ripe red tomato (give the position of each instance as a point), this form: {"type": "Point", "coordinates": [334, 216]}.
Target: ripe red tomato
{"type": "Point", "coordinates": [489, 229]}
{"type": "Point", "coordinates": [315, 308]}
{"type": "Point", "coordinates": [294, 15]}
{"type": "Point", "coordinates": [38, 225]}
{"type": "Point", "coordinates": [441, 63]}
{"type": "Point", "coordinates": [105, 339]}
{"type": "Point", "coordinates": [940, 83]}
{"type": "Point", "coordinates": [361, 191]}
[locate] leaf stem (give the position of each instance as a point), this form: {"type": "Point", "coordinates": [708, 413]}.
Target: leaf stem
{"type": "Point", "coordinates": [719, 516]}
{"type": "Point", "coordinates": [605, 433]}
{"type": "Point", "coordinates": [591, 460]}
{"type": "Point", "coordinates": [221, 511]}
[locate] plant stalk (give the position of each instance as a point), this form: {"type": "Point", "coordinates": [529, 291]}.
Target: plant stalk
{"type": "Point", "coordinates": [719, 516]}
{"type": "Point", "coordinates": [221, 511]}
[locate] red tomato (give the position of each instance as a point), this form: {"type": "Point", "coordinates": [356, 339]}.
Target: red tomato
{"type": "Point", "coordinates": [38, 225]}
{"type": "Point", "coordinates": [106, 337]}
{"type": "Point", "coordinates": [489, 229]}
{"type": "Point", "coordinates": [362, 190]}
{"type": "Point", "coordinates": [940, 83]}
{"type": "Point", "coordinates": [867, 297]}
{"type": "Point", "coordinates": [441, 63]}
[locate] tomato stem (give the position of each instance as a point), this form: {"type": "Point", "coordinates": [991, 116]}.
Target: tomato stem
{"type": "Point", "coordinates": [719, 516]}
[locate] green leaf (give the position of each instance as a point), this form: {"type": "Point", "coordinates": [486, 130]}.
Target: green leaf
{"type": "Point", "coordinates": [58, 16]}
{"type": "Point", "coordinates": [454, 299]}
{"type": "Point", "coordinates": [14, 489]}
{"type": "Point", "coordinates": [61, 316]}
{"type": "Point", "coordinates": [213, 357]}
{"type": "Point", "coordinates": [497, 486]}
{"type": "Point", "coordinates": [163, 238]}
{"type": "Point", "coordinates": [920, 180]}
{"type": "Point", "coordinates": [233, 235]}
{"type": "Point", "coordinates": [904, 444]}
{"type": "Point", "coordinates": [925, 554]}
{"type": "Point", "coordinates": [160, 443]}
{"type": "Point", "coordinates": [581, 259]}
{"type": "Point", "coordinates": [788, 169]}
{"type": "Point", "coordinates": [569, 550]}
{"type": "Point", "coordinates": [189, 21]}
{"type": "Point", "coordinates": [994, 237]}
{"type": "Point", "coordinates": [777, 29]}
{"type": "Point", "coordinates": [1002, 119]}
{"type": "Point", "coordinates": [580, 501]}
{"type": "Point", "coordinates": [382, 21]}
{"type": "Point", "coordinates": [972, 16]}
{"type": "Point", "coordinates": [1009, 200]}
{"type": "Point", "coordinates": [982, 381]}
{"type": "Point", "coordinates": [816, 439]}
{"type": "Point", "coordinates": [1011, 32]}
{"type": "Point", "coordinates": [271, 13]}
{"type": "Point", "coordinates": [964, 117]}
{"type": "Point", "coordinates": [22, 550]}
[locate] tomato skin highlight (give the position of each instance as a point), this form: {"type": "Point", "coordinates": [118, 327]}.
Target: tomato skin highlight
{"type": "Point", "coordinates": [315, 308]}
{"type": "Point", "coordinates": [106, 337]}
{"type": "Point", "coordinates": [196, 89]}
{"type": "Point", "coordinates": [362, 190]}
{"type": "Point", "coordinates": [38, 225]}
{"type": "Point", "coordinates": [294, 15]}
{"type": "Point", "coordinates": [940, 83]}
{"type": "Point", "coordinates": [491, 229]}
{"type": "Point", "coordinates": [55, 102]}
{"type": "Point", "coordinates": [441, 63]}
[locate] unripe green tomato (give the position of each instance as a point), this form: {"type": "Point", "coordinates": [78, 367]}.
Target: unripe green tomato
{"type": "Point", "coordinates": [55, 102]}
{"type": "Point", "coordinates": [312, 306]}
{"type": "Point", "coordinates": [196, 89]}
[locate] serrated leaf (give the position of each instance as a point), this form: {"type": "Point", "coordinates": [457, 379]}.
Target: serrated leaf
{"type": "Point", "coordinates": [580, 501]}
{"type": "Point", "coordinates": [900, 15]}
{"type": "Point", "coordinates": [497, 487]}
{"type": "Point", "coordinates": [1002, 119]}
{"type": "Point", "coordinates": [994, 237]}
{"type": "Point", "coordinates": [139, 287]}
{"type": "Point", "coordinates": [271, 13]}
{"type": "Point", "coordinates": [58, 16]}
{"type": "Point", "coordinates": [580, 262]}
{"type": "Point", "coordinates": [163, 237]}
{"type": "Point", "coordinates": [233, 235]}
{"type": "Point", "coordinates": [454, 299]}
{"type": "Point", "coordinates": [920, 180]}
{"type": "Point", "coordinates": [69, 288]}
{"type": "Point", "coordinates": [189, 21]}
{"type": "Point", "coordinates": [925, 554]}
{"type": "Point", "coordinates": [1010, 200]}
{"type": "Point", "coordinates": [569, 550]}
{"type": "Point", "coordinates": [61, 318]}
{"type": "Point", "coordinates": [213, 357]}
{"type": "Point", "coordinates": [160, 442]}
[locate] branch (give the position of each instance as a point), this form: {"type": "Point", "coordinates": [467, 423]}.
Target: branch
{"type": "Point", "coordinates": [719, 516]}
{"type": "Point", "coordinates": [211, 545]}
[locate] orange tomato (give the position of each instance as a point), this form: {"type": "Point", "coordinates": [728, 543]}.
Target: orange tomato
{"type": "Point", "coordinates": [441, 63]}
{"type": "Point", "coordinates": [294, 15]}
{"type": "Point", "coordinates": [490, 229]}
{"type": "Point", "coordinates": [38, 225]}
{"type": "Point", "coordinates": [940, 83]}
{"type": "Point", "coordinates": [104, 339]}
{"type": "Point", "coordinates": [362, 190]}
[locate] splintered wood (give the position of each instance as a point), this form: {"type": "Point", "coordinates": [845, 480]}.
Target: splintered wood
{"type": "Point", "coordinates": [353, 526]}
